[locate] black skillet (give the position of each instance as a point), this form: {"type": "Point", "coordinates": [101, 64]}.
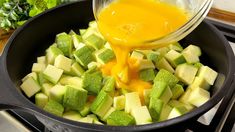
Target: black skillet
{"type": "Point", "coordinates": [37, 34]}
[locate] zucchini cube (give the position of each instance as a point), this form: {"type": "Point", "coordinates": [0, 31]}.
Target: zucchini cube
{"type": "Point", "coordinates": [64, 43]}
{"type": "Point", "coordinates": [86, 109]}
{"type": "Point", "coordinates": [161, 91]}
{"type": "Point", "coordinates": [165, 112]}
{"type": "Point", "coordinates": [175, 58]}
{"type": "Point", "coordinates": [192, 53]}
{"type": "Point", "coordinates": [83, 55]}
{"type": "Point", "coordinates": [104, 55]}
{"type": "Point", "coordinates": [146, 94]}
{"type": "Point", "coordinates": [208, 74]}
{"type": "Point", "coordinates": [132, 101]}
{"type": "Point", "coordinates": [95, 41]}
{"type": "Point", "coordinates": [177, 91]}
{"type": "Point", "coordinates": [57, 92]}
{"type": "Point", "coordinates": [92, 82]}
{"type": "Point", "coordinates": [41, 100]}
{"type": "Point", "coordinates": [41, 60]}
{"type": "Point", "coordinates": [145, 64]}
{"type": "Point", "coordinates": [52, 74]}
{"type": "Point", "coordinates": [72, 115]}
{"type": "Point", "coordinates": [46, 88]}
{"type": "Point", "coordinates": [155, 108]}
{"type": "Point", "coordinates": [109, 85]}
{"type": "Point", "coordinates": [164, 64]}
{"type": "Point", "coordinates": [119, 102]}
{"type": "Point", "coordinates": [63, 63]}
{"type": "Point", "coordinates": [200, 82]}
{"type": "Point", "coordinates": [141, 115]}
{"type": "Point", "coordinates": [54, 107]}
{"type": "Point", "coordinates": [147, 74]}
{"type": "Point", "coordinates": [32, 74]}
{"type": "Point", "coordinates": [75, 98]}
{"type": "Point", "coordinates": [76, 40]}
{"type": "Point", "coordinates": [176, 46]}
{"type": "Point", "coordinates": [166, 76]}
{"type": "Point", "coordinates": [153, 56]}
{"type": "Point", "coordinates": [137, 55]}
{"type": "Point", "coordinates": [120, 118]}
{"type": "Point", "coordinates": [101, 104]}
{"type": "Point", "coordinates": [51, 53]}
{"type": "Point", "coordinates": [177, 111]}
{"type": "Point", "coordinates": [77, 69]}
{"type": "Point", "coordinates": [108, 113]}
{"type": "Point", "coordinates": [198, 97]}
{"type": "Point", "coordinates": [176, 103]}
{"type": "Point", "coordinates": [186, 73]}
{"type": "Point", "coordinates": [37, 67]}
{"type": "Point", "coordinates": [30, 87]}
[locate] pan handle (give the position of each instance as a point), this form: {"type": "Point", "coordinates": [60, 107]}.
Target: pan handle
{"type": "Point", "coordinates": [8, 98]}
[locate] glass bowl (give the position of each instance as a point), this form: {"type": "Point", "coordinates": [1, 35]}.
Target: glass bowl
{"type": "Point", "coordinates": [197, 10]}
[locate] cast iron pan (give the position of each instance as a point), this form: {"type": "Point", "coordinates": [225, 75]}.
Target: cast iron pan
{"type": "Point", "coordinates": [35, 36]}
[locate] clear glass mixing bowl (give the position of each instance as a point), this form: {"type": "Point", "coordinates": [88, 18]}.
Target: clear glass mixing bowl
{"type": "Point", "coordinates": [197, 10]}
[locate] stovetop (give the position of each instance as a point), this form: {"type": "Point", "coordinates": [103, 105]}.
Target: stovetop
{"type": "Point", "coordinates": [219, 118]}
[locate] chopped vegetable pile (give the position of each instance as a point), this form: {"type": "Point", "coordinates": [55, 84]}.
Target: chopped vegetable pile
{"type": "Point", "coordinates": [68, 82]}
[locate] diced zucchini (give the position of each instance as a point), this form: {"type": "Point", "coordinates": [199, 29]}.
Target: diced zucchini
{"type": "Point", "coordinates": [82, 31]}
{"type": "Point", "coordinates": [32, 74]}
{"type": "Point", "coordinates": [161, 91]}
{"type": "Point", "coordinates": [92, 82]}
{"type": "Point", "coordinates": [208, 74]}
{"type": "Point", "coordinates": [104, 55]}
{"type": "Point", "coordinates": [194, 49]}
{"type": "Point", "coordinates": [46, 88]}
{"type": "Point", "coordinates": [186, 73]}
{"type": "Point", "coordinates": [76, 40]}
{"type": "Point", "coordinates": [200, 82]}
{"type": "Point", "coordinates": [175, 58]}
{"type": "Point", "coordinates": [146, 94]}
{"type": "Point", "coordinates": [64, 43]}
{"type": "Point", "coordinates": [86, 120]}
{"type": "Point", "coordinates": [165, 112]}
{"type": "Point", "coordinates": [120, 118]}
{"type": "Point", "coordinates": [198, 97]}
{"type": "Point", "coordinates": [137, 55]}
{"type": "Point", "coordinates": [73, 81]}
{"type": "Point", "coordinates": [184, 98]}
{"type": "Point", "coordinates": [145, 64]}
{"type": "Point", "coordinates": [77, 69]}
{"type": "Point", "coordinates": [52, 74]}
{"type": "Point", "coordinates": [132, 101]}
{"type": "Point", "coordinates": [57, 93]}
{"type": "Point", "coordinates": [147, 74]}
{"type": "Point", "coordinates": [164, 64]}
{"type": "Point", "coordinates": [177, 111]}
{"type": "Point", "coordinates": [30, 87]}
{"type": "Point", "coordinates": [153, 56]}
{"type": "Point", "coordinates": [41, 79]}
{"type": "Point", "coordinates": [86, 109]}
{"type": "Point", "coordinates": [54, 108]}
{"type": "Point", "coordinates": [109, 85]}
{"type": "Point", "coordinates": [155, 108]}
{"type": "Point", "coordinates": [141, 115]}
{"type": "Point", "coordinates": [72, 115]}
{"type": "Point", "coordinates": [192, 53]}
{"type": "Point", "coordinates": [41, 100]}
{"type": "Point", "coordinates": [176, 46]}
{"type": "Point", "coordinates": [83, 55]}
{"type": "Point", "coordinates": [177, 91]}
{"type": "Point", "coordinates": [119, 102]}
{"type": "Point", "coordinates": [75, 97]}
{"type": "Point", "coordinates": [52, 53]}
{"type": "Point", "coordinates": [198, 65]}
{"type": "Point", "coordinates": [166, 76]}
{"type": "Point", "coordinates": [41, 60]}
{"type": "Point", "coordinates": [95, 41]}
{"type": "Point", "coordinates": [37, 67]}
{"type": "Point", "coordinates": [109, 112]}
{"type": "Point", "coordinates": [163, 50]}
{"type": "Point", "coordinates": [101, 104]}
{"type": "Point", "coordinates": [63, 63]}
{"type": "Point", "coordinates": [176, 103]}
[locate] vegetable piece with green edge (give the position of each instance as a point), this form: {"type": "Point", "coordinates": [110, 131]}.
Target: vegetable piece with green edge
{"type": "Point", "coordinates": [132, 101]}
{"type": "Point", "coordinates": [101, 104]}
{"type": "Point", "coordinates": [165, 112]}
{"type": "Point", "coordinates": [137, 55]}
{"type": "Point", "coordinates": [155, 108]}
{"type": "Point", "coordinates": [175, 103]}
{"type": "Point", "coordinates": [175, 58]}
{"type": "Point", "coordinates": [163, 50]}
{"type": "Point", "coordinates": [146, 94]}
{"type": "Point", "coordinates": [176, 46]}
{"type": "Point", "coordinates": [198, 97]}
{"type": "Point", "coordinates": [141, 115]}
{"type": "Point", "coordinates": [32, 74]}
{"type": "Point", "coordinates": [86, 120]}
{"type": "Point", "coordinates": [52, 74]}
{"type": "Point", "coordinates": [51, 3]}
{"type": "Point", "coordinates": [119, 102]}
{"type": "Point", "coordinates": [184, 98]}
{"type": "Point", "coordinates": [145, 64]}
{"type": "Point", "coordinates": [41, 100]}
{"type": "Point", "coordinates": [95, 41]}
{"type": "Point", "coordinates": [120, 118]}
{"type": "Point", "coordinates": [54, 107]}
{"type": "Point", "coordinates": [51, 53]}
{"type": "Point", "coordinates": [104, 55]}
{"type": "Point", "coordinates": [177, 111]}
{"type": "Point", "coordinates": [200, 82]}
{"type": "Point", "coordinates": [110, 111]}
{"type": "Point", "coordinates": [186, 73]}
{"type": "Point", "coordinates": [77, 69]}
{"type": "Point", "coordinates": [153, 56]}
{"type": "Point", "coordinates": [41, 79]}
{"type": "Point", "coordinates": [64, 43]}
{"type": "Point", "coordinates": [208, 74]}
{"type": "Point", "coordinates": [161, 91]}
{"type": "Point", "coordinates": [38, 67]}
{"type": "Point", "coordinates": [109, 85]}
{"type": "Point", "coordinates": [191, 54]}
{"type": "Point", "coordinates": [57, 93]}
{"type": "Point", "coordinates": [75, 98]}
{"type": "Point", "coordinates": [75, 81]}
{"type": "Point", "coordinates": [83, 55]}
{"type": "Point", "coordinates": [92, 82]}
{"type": "Point", "coordinates": [166, 76]}
{"type": "Point", "coordinates": [82, 31]}
{"type": "Point", "coordinates": [164, 64]}
{"type": "Point", "coordinates": [46, 88]}
{"type": "Point", "coordinates": [86, 109]}
{"type": "Point", "coordinates": [41, 60]}
{"type": "Point", "coordinates": [198, 65]}
{"type": "Point", "coordinates": [30, 87]}
{"type": "Point", "coordinates": [72, 115]}
{"type": "Point", "coordinates": [77, 40]}
{"type": "Point", "coordinates": [147, 74]}
{"type": "Point", "coordinates": [177, 91]}
{"type": "Point", "coordinates": [63, 63]}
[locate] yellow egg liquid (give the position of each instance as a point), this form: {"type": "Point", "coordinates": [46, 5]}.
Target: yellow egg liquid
{"type": "Point", "coordinates": [126, 25]}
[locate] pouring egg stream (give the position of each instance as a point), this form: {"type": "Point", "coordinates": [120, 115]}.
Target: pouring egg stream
{"type": "Point", "coordinates": [126, 25]}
